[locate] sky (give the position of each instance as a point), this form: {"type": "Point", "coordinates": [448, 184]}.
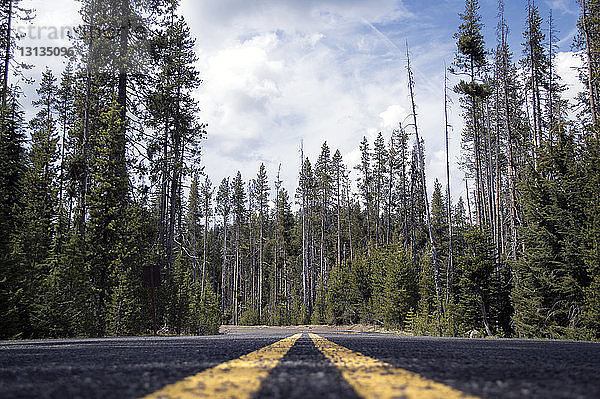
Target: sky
{"type": "Point", "coordinates": [280, 72]}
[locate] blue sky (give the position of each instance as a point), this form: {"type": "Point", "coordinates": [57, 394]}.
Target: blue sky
{"type": "Point", "coordinates": [277, 72]}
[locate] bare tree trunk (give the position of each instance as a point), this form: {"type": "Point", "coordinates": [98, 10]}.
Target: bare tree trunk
{"type": "Point", "coordinates": [224, 267]}
{"type": "Point", "coordinates": [450, 269]}
{"type": "Point", "coordinates": [484, 316]}
{"type": "Point", "coordinates": [86, 126]}
{"type": "Point", "coordinates": [489, 187]}
{"type": "Point", "coordinates": [390, 188]}
{"type": "Point", "coordinates": [204, 236]}
{"type": "Point", "coordinates": [550, 81]}
{"type": "Point", "coordinates": [122, 87]}
{"type": "Point", "coordinates": [500, 249]}
{"type": "Point", "coordinates": [236, 274]}
{"type": "Point", "coordinates": [303, 215]}
{"type": "Point", "coordinates": [468, 203]}
{"type": "Point", "coordinates": [8, 39]}
{"type": "Point", "coordinates": [509, 134]}
{"type": "Point", "coordinates": [322, 265]}
{"type": "Point", "coordinates": [588, 51]}
{"type": "Point", "coordinates": [478, 183]}
{"type": "Point", "coordinates": [534, 89]}
{"type": "Point", "coordinates": [260, 263]}
{"type": "Point", "coordinates": [348, 206]}
{"type": "Point", "coordinates": [339, 222]}
{"type": "Point", "coordinates": [436, 270]}
{"type": "Point", "coordinates": [403, 193]}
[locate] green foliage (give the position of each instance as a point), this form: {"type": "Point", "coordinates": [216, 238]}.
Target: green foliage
{"type": "Point", "coordinates": [551, 275]}
{"type": "Point", "coordinates": [591, 307]}
{"type": "Point", "coordinates": [471, 46]}
{"type": "Point", "coordinates": [205, 312]}
{"type": "Point", "coordinates": [338, 308]}
{"type": "Point", "coordinates": [476, 264]}
{"type": "Point", "coordinates": [249, 317]}
{"type": "Point", "coordinates": [12, 166]}
{"type": "Point", "coordinates": [380, 288]}
{"type": "Point", "coordinates": [79, 221]}
{"type": "Point", "coordinates": [64, 302]}
{"type": "Point", "coordinates": [188, 309]}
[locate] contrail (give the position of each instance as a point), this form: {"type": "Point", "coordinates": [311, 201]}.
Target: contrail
{"type": "Point", "coordinates": [382, 36]}
{"type": "Point", "coordinates": [400, 52]}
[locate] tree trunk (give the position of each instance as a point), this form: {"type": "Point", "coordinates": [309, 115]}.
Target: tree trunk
{"type": "Point", "coordinates": [8, 39]}
{"type": "Point", "coordinates": [588, 51]}
{"type": "Point", "coordinates": [450, 268]}
{"type": "Point", "coordinates": [484, 316]}
{"type": "Point", "coordinates": [339, 235]}
{"type": "Point", "coordinates": [436, 270]}
{"type": "Point", "coordinates": [122, 88]}
{"type": "Point", "coordinates": [260, 263]}
{"type": "Point", "coordinates": [224, 266]}
{"type": "Point", "coordinates": [204, 236]}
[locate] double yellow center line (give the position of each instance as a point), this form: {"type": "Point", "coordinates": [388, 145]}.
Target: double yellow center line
{"type": "Point", "coordinates": [370, 378]}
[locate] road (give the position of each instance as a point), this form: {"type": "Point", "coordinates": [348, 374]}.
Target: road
{"type": "Point", "coordinates": [298, 363]}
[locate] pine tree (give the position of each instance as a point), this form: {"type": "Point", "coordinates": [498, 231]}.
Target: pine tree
{"type": "Point", "coordinates": [193, 230]}
{"type": "Point", "coordinates": [40, 197]}
{"type": "Point", "coordinates": [421, 162]}
{"type": "Point", "coordinates": [509, 126]}
{"type": "Point", "coordinates": [591, 171]}
{"type": "Point", "coordinates": [470, 60]}
{"type": "Point", "coordinates": [536, 64]}
{"type": "Point", "coordinates": [323, 177]}
{"type": "Point", "coordinates": [399, 185]}
{"type": "Point", "coordinates": [206, 192]}
{"type": "Point", "coordinates": [380, 159]}
{"type": "Point", "coordinates": [173, 117]}
{"type": "Point", "coordinates": [11, 14]}
{"type": "Point", "coordinates": [261, 188]}
{"type": "Point", "coordinates": [238, 203]}
{"type": "Point", "coordinates": [588, 39]}
{"type": "Point", "coordinates": [107, 225]}
{"type": "Point", "coordinates": [224, 209]}
{"type": "Point", "coordinates": [338, 173]}
{"type": "Point", "coordinates": [551, 274]}
{"type": "Point", "coordinates": [365, 185]}
{"type": "Point", "coordinates": [12, 166]}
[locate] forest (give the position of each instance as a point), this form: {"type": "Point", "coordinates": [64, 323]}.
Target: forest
{"type": "Point", "coordinates": [109, 224]}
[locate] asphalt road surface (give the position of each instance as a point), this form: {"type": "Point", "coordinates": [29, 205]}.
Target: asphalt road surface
{"type": "Point", "coordinates": [298, 363]}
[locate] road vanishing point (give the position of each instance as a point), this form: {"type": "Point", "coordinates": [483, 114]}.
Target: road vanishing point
{"type": "Point", "coordinates": [303, 362]}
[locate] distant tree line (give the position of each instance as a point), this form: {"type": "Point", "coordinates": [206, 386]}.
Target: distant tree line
{"type": "Point", "coordinates": [104, 184]}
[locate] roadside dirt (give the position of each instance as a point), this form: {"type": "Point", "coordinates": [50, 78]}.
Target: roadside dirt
{"type": "Point", "coordinates": [356, 328]}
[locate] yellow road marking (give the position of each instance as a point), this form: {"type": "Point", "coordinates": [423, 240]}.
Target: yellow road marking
{"type": "Point", "coordinates": [238, 378]}
{"type": "Point", "coordinates": [372, 378]}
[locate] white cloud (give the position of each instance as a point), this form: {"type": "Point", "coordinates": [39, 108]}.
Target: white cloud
{"type": "Point", "coordinates": [277, 72]}
{"type": "Point", "coordinates": [392, 116]}
{"type": "Point", "coordinates": [567, 65]}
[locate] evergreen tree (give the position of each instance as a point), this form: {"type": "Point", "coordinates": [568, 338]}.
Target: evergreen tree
{"type": "Point", "coordinates": [324, 189]}
{"type": "Point", "coordinates": [224, 209]}
{"type": "Point", "coordinates": [261, 191]}
{"type": "Point", "coordinates": [12, 166]}
{"type": "Point", "coordinates": [40, 198]}
{"type": "Point", "coordinates": [588, 39]}
{"type": "Point", "coordinates": [173, 116]}
{"type": "Point", "coordinates": [206, 193]}
{"type": "Point", "coordinates": [365, 185]}
{"type": "Point", "coordinates": [470, 60]}
{"type": "Point", "coordinates": [380, 159]}
{"type": "Point", "coordinates": [551, 274]}
{"type": "Point", "coordinates": [536, 66]}
{"type": "Point", "coordinates": [238, 203]}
